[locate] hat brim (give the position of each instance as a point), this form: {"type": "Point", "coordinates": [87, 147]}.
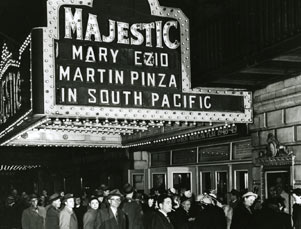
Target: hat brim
{"type": "Point", "coordinates": [245, 196]}
{"type": "Point", "coordinates": [54, 199]}
{"type": "Point", "coordinates": [110, 195]}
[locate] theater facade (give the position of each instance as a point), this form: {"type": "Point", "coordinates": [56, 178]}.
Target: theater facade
{"type": "Point", "coordinates": [108, 75]}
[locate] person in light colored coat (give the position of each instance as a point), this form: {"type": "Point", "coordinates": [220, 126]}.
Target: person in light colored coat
{"type": "Point", "coordinates": [68, 219]}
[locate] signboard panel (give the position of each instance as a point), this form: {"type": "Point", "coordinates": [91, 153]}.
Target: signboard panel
{"type": "Point", "coordinates": [127, 66]}
{"type": "Point", "coordinates": [15, 85]}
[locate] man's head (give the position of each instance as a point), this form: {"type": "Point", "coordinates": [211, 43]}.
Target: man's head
{"type": "Point", "coordinates": [165, 203]}
{"type": "Point", "coordinates": [114, 198]}
{"type": "Point", "coordinates": [186, 203]}
{"type": "Point", "coordinates": [234, 195]}
{"type": "Point", "coordinates": [93, 203]}
{"type": "Point", "coordinates": [55, 200]}
{"type": "Point", "coordinates": [105, 189]}
{"type": "Point", "coordinates": [69, 200]}
{"type": "Point", "coordinates": [272, 191]}
{"type": "Point", "coordinates": [77, 201]}
{"type": "Point", "coordinates": [128, 190]}
{"type": "Point", "coordinates": [249, 198]}
{"type": "Point", "coordinates": [33, 200]}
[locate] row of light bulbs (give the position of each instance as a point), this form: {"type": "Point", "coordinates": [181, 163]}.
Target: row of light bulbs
{"type": "Point", "coordinates": [179, 136]}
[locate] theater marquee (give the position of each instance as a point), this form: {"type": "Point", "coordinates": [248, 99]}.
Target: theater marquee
{"type": "Point", "coordinates": [96, 64]}
{"type": "Point", "coordinates": [98, 71]}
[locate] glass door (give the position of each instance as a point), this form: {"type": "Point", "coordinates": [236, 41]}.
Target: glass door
{"type": "Point", "coordinates": [182, 178]}
{"type": "Point", "coordinates": [241, 180]}
{"type": "Point", "coordinates": [205, 182]}
{"type": "Point", "coordinates": [221, 181]}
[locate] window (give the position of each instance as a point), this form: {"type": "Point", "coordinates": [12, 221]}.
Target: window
{"type": "Point", "coordinates": [205, 182]}
{"type": "Point", "coordinates": [241, 181]}
{"type": "Point", "coordinates": [182, 181]}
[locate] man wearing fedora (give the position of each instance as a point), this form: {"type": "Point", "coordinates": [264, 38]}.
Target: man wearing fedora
{"type": "Point", "coordinates": [34, 216]}
{"type": "Point", "coordinates": [243, 217]}
{"type": "Point", "coordinates": [160, 219]}
{"type": "Point", "coordinates": [132, 208]}
{"type": "Point", "coordinates": [112, 217]}
{"type": "Point", "coordinates": [68, 218]}
{"type": "Point", "coordinates": [53, 212]}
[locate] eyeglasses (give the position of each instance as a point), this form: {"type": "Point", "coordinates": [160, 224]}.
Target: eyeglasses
{"type": "Point", "coordinates": [117, 199]}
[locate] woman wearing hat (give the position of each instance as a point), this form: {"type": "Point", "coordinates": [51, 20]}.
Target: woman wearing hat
{"type": "Point", "coordinates": [243, 214]}
{"type": "Point", "coordinates": [183, 216]}
{"type": "Point", "coordinates": [90, 215]}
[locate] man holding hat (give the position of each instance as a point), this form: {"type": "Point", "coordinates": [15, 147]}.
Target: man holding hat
{"type": "Point", "coordinates": [211, 215]}
{"type": "Point", "coordinates": [34, 216]}
{"type": "Point", "coordinates": [68, 219]}
{"type": "Point", "coordinates": [53, 212]}
{"type": "Point", "coordinates": [132, 208]}
{"type": "Point", "coordinates": [243, 214]}
{"type": "Point", "coordinates": [112, 217]}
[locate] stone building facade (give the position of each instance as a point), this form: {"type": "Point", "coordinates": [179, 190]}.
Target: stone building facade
{"type": "Point", "coordinates": [277, 114]}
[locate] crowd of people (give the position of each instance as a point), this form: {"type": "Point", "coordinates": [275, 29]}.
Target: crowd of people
{"type": "Point", "coordinates": [127, 209]}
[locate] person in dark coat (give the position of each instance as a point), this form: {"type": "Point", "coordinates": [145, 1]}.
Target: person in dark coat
{"type": "Point", "coordinates": [89, 220]}
{"type": "Point", "coordinates": [53, 212]}
{"type": "Point", "coordinates": [79, 211]}
{"type": "Point", "coordinates": [112, 217]}
{"type": "Point", "coordinates": [243, 213]}
{"type": "Point", "coordinates": [271, 216]}
{"type": "Point", "coordinates": [11, 216]}
{"type": "Point", "coordinates": [210, 216]}
{"type": "Point", "coordinates": [68, 219]}
{"type": "Point", "coordinates": [183, 216]}
{"type": "Point", "coordinates": [132, 209]}
{"type": "Point", "coordinates": [160, 219]}
{"type": "Point", "coordinates": [297, 208]}
{"type": "Point", "coordinates": [148, 211]}
{"type": "Point", "coordinates": [34, 216]}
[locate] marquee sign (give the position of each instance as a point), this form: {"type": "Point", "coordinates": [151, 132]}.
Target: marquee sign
{"type": "Point", "coordinates": [99, 71]}
{"type": "Point", "coordinates": [15, 85]}
{"type": "Point", "coordinates": [125, 66]}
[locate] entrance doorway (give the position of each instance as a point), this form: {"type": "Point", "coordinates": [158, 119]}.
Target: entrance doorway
{"type": "Point", "coordinates": [182, 178]}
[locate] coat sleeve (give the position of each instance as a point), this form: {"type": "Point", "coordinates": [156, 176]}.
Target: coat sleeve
{"type": "Point", "coordinates": [25, 221]}
{"type": "Point", "coordinates": [156, 222]}
{"type": "Point", "coordinates": [64, 221]}
{"type": "Point", "coordinates": [88, 221]}
{"type": "Point", "coordinates": [98, 220]}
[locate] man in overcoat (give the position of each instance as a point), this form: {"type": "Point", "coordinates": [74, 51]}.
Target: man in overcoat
{"type": "Point", "coordinates": [160, 219]}
{"type": "Point", "coordinates": [53, 212]}
{"type": "Point", "coordinates": [112, 217]}
{"type": "Point", "coordinates": [243, 217]}
{"type": "Point", "coordinates": [68, 218]}
{"type": "Point", "coordinates": [132, 209]}
{"type": "Point", "coordinates": [34, 216]}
